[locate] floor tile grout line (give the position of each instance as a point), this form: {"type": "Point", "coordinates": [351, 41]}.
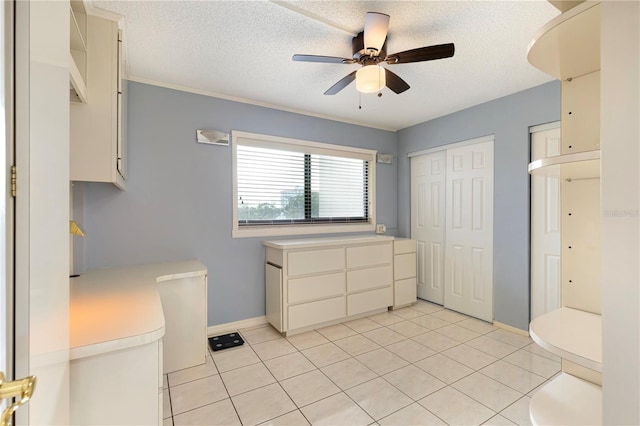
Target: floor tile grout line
{"type": "Point", "coordinates": [404, 339]}
{"type": "Point", "coordinates": [482, 403]}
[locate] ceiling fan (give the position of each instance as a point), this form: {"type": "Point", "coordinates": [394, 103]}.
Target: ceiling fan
{"type": "Point", "coordinates": [369, 50]}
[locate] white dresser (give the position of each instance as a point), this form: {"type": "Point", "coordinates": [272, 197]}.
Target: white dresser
{"type": "Point", "coordinates": [322, 281]}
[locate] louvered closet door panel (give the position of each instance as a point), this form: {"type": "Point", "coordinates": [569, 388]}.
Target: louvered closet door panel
{"type": "Point", "coordinates": [469, 230]}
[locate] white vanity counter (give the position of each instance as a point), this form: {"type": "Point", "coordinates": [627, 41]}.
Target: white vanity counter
{"type": "Point", "coordinates": [117, 338]}
{"type": "Point", "coordinates": [118, 308]}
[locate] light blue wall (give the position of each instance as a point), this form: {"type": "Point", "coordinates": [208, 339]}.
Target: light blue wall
{"type": "Point", "coordinates": [178, 202]}
{"type": "Point", "coordinates": [509, 119]}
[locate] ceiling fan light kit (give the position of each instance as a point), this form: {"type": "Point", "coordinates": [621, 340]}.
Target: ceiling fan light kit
{"type": "Point", "coordinates": [370, 79]}
{"type": "Point", "coordinates": [369, 50]}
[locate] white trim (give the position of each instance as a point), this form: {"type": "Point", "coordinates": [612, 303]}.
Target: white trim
{"type": "Point", "coordinates": [488, 138]}
{"type": "Point", "coordinates": [256, 103]}
{"type": "Point", "coordinates": [284, 230]}
{"type": "Point", "coordinates": [543, 127]}
{"type": "Point", "coordinates": [214, 330]}
{"type": "Point", "coordinates": [278, 142]}
{"type": "Point", "coordinates": [510, 328]}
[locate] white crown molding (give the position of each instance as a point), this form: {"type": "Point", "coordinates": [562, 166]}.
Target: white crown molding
{"type": "Point", "coordinates": [250, 102]}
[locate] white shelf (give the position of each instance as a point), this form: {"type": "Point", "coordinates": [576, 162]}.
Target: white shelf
{"type": "Point", "coordinates": [567, 400]}
{"type": "Point", "coordinates": [569, 45]}
{"type": "Point", "coordinates": [77, 89]}
{"type": "Point", "coordinates": [571, 334]}
{"type": "Point", "coordinates": [78, 52]}
{"type": "Point", "coordinates": [579, 165]}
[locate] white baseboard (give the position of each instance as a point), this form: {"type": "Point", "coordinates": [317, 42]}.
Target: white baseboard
{"type": "Point", "coordinates": [214, 330]}
{"type": "Point", "coordinates": [511, 328]}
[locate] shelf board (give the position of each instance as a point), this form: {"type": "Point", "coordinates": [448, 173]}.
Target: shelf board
{"type": "Point", "coordinates": [76, 38]}
{"type": "Point", "coordinates": [580, 165]}
{"type": "Point", "coordinates": [569, 45]}
{"type": "Point", "coordinates": [78, 89]}
{"type": "Point", "coordinates": [567, 400]}
{"type": "Point", "coordinates": [571, 334]}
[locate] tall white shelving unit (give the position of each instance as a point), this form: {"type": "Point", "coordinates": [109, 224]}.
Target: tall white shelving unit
{"type": "Point", "coordinates": [568, 48]}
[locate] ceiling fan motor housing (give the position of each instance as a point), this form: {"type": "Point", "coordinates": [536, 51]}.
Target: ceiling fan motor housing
{"type": "Point", "coordinates": [359, 52]}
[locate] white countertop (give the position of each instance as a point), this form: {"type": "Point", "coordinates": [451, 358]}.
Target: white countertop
{"type": "Point", "coordinates": [327, 241]}
{"type": "Point", "coordinates": [118, 308]}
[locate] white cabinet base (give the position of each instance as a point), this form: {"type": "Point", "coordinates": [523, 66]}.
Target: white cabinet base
{"type": "Point", "coordinates": [117, 388]}
{"type": "Point", "coordinates": [184, 304]}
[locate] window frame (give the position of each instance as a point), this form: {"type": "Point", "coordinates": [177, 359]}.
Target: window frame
{"type": "Point", "coordinates": [269, 230]}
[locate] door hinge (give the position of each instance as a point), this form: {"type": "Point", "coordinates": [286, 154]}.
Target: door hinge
{"type": "Point", "coordinates": [13, 181]}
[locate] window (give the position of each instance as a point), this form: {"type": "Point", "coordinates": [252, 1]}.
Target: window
{"type": "Point", "coordinates": [285, 186]}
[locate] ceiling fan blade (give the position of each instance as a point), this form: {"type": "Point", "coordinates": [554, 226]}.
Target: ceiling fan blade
{"type": "Point", "coordinates": [428, 53]}
{"type": "Point", "coordinates": [376, 26]}
{"type": "Point", "coordinates": [344, 82]}
{"type": "Point", "coordinates": [395, 83]}
{"type": "Point", "coordinates": [324, 59]}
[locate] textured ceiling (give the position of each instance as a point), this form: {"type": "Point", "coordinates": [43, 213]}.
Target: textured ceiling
{"type": "Point", "coordinates": [242, 50]}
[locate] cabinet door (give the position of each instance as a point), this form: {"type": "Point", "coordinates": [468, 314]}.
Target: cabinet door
{"type": "Point", "coordinates": [184, 307]}
{"type": "Point", "coordinates": [364, 256]}
{"type": "Point", "coordinates": [404, 292]}
{"type": "Point", "coordinates": [273, 277]}
{"type": "Point", "coordinates": [315, 287]}
{"type": "Point", "coordinates": [404, 266]}
{"type": "Point", "coordinates": [313, 313]}
{"type": "Point", "coordinates": [369, 301]}
{"type": "Point", "coordinates": [315, 261]}
{"type": "Point", "coordinates": [365, 279]}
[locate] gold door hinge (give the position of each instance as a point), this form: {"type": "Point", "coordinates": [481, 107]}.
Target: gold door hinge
{"type": "Point", "coordinates": [13, 181]}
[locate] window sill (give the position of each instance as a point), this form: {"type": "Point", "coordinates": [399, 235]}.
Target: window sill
{"type": "Point", "coordinates": [274, 231]}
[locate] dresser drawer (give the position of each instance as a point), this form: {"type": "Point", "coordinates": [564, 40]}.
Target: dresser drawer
{"type": "Point", "coordinates": [364, 279]}
{"type": "Point", "coordinates": [315, 261]}
{"type": "Point", "coordinates": [315, 287]}
{"type": "Point", "coordinates": [363, 256]}
{"type": "Point", "coordinates": [404, 266]}
{"type": "Point", "coordinates": [404, 292]}
{"type": "Point", "coordinates": [369, 301]}
{"type": "Point", "coordinates": [404, 245]}
{"type": "Point", "coordinates": [318, 312]}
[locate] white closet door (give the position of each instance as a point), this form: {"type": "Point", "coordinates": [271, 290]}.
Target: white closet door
{"type": "Point", "coordinates": [469, 230]}
{"type": "Point", "coordinates": [545, 227]}
{"type": "Point", "coordinates": [428, 222]}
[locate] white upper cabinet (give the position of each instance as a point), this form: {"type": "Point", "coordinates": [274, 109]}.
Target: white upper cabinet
{"type": "Point", "coordinates": [98, 131]}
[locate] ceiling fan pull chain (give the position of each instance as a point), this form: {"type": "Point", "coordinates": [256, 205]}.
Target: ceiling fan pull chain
{"type": "Point", "coordinates": [359, 100]}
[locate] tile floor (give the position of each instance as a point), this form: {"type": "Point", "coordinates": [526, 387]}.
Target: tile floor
{"type": "Point", "coordinates": [421, 365]}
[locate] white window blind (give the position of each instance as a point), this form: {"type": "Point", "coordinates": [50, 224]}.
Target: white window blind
{"type": "Point", "coordinates": [282, 182]}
